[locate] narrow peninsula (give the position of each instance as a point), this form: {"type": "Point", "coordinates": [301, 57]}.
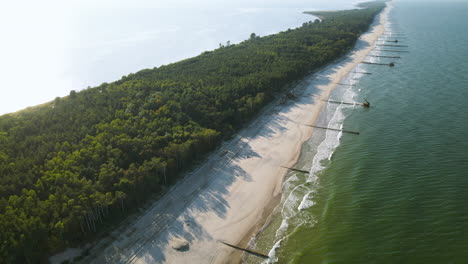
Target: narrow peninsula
{"type": "Point", "coordinates": [189, 136]}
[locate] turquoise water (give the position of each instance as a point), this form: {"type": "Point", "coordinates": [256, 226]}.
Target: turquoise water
{"type": "Point", "coordinates": [398, 192]}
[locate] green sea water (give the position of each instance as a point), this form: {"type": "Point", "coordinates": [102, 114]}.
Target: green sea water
{"type": "Point", "coordinates": [398, 192]}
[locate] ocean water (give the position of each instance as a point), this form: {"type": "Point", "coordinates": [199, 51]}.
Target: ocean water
{"type": "Point", "coordinates": [398, 192]}
{"type": "Point", "coordinates": [51, 47]}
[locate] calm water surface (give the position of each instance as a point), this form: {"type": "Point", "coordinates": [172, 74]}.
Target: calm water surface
{"type": "Point", "coordinates": [398, 192]}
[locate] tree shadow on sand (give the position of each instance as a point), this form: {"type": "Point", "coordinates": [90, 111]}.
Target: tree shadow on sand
{"type": "Point", "coordinates": [206, 188]}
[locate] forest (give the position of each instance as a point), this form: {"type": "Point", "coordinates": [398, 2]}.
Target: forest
{"type": "Point", "coordinates": [74, 166]}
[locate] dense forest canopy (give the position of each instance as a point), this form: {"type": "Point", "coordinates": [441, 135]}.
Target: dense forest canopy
{"type": "Point", "coordinates": [69, 166]}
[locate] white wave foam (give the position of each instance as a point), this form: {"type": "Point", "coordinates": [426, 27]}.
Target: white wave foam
{"type": "Point", "coordinates": [283, 227]}
{"type": "Point", "coordinates": [328, 145]}
{"type": "Point", "coordinates": [289, 205]}
{"type": "Point", "coordinates": [272, 253]}
{"type": "Point", "coordinates": [293, 178]}
{"type": "Point", "coordinates": [301, 196]}
{"type": "Point", "coordinates": [306, 202]}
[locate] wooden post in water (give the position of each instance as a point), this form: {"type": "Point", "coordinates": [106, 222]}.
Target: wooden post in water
{"type": "Point", "coordinates": [366, 104]}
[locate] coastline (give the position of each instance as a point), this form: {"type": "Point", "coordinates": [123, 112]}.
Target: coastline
{"type": "Point", "coordinates": [370, 37]}
{"type": "Point", "coordinates": [357, 55]}
{"type": "Point", "coordinates": [230, 197]}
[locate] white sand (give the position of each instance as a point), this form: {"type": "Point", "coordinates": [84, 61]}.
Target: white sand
{"type": "Point", "coordinates": [229, 197]}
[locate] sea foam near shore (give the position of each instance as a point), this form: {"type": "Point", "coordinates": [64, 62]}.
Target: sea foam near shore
{"type": "Point", "coordinates": [300, 193]}
{"type": "Point", "coordinates": [299, 190]}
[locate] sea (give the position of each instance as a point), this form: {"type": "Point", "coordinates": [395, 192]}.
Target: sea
{"type": "Point", "coordinates": [51, 47]}
{"type": "Point", "coordinates": [398, 191]}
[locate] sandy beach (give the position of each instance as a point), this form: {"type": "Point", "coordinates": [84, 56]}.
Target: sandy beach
{"type": "Point", "coordinates": [229, 197]}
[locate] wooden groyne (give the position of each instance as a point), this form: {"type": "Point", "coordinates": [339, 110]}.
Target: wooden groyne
{"type": "Point", "coordinates": [366, 104]}
{"type": "Point", "coordinates": [396, 39]}
{"type": "Point", "coordinates": [335, 129]}
{"type": "Point", "coordinates": [258, 254]}
{"type": "Point", "coordinates": [391, 64]}
{"type": "Point", "coordinates": [400, 51]}
{"type": "Point", "coordinates": [293, 169]}
{"type": "Point", "coordinates": [393, 34]}
{"type": "Point", "coordinates": [390, 57]}
{"type": "Point", "coordinates": [385, 38]}
{"type": "Point", "coordinates": [363, 72]}
{"type": "Point", "coordinates": [345, 84]}
{"type": "Point", "coordinates": [390, 45]}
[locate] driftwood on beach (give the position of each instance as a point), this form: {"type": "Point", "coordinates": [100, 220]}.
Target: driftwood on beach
{"type": "Point", "coordinates": [246, 250]}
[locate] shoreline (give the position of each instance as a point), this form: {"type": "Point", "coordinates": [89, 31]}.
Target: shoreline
{"type": "Point", "coordinates": [231, 196]}
{"type": "Point", "coordinates": [376, 29]}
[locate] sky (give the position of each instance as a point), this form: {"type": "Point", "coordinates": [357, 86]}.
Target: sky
{"type": "Point", "coordinates": [51, 47]}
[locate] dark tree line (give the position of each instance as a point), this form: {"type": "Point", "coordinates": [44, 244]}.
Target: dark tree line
{"type": "Point", "coordinates": [69, 165]}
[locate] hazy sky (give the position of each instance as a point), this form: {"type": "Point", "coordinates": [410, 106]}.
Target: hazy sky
{"type": "Point", "coordinates": [51, 47]}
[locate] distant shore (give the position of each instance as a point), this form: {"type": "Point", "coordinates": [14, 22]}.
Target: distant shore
{"type": "Point", "coordinates": [239, 186]}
